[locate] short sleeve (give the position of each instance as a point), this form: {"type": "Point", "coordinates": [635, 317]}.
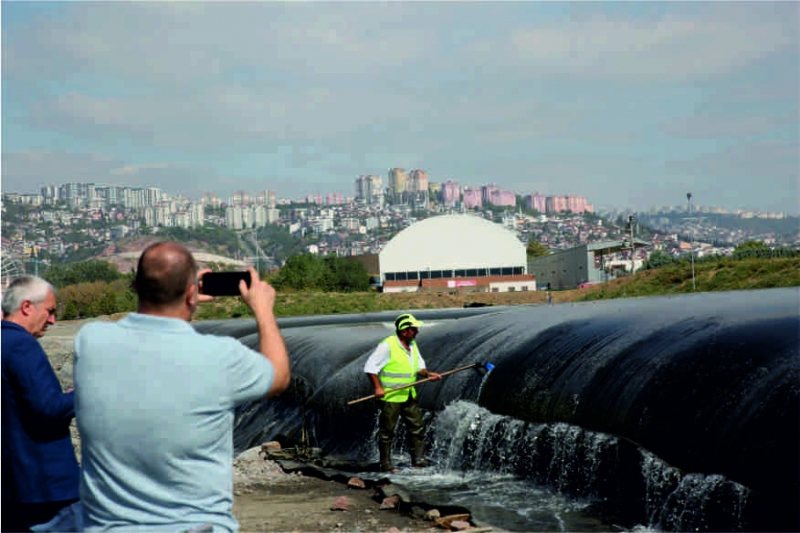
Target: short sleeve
{"type": "Point", "coordinates": [250, 374]}
{"type": "Point", "coordinates": [422, 365]}
{"type": "Point", "coordinates": [378, 359]}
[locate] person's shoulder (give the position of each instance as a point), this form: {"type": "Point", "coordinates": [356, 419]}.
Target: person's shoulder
{"type": "Point", "coordinates": [12, 327]}
{"type": "Point", "coordinates": [17, 334]}
{"type": "Point", "coordinates": [210, 339]}
{"type": "Point", "coordinates": [17, 341]}
{"type": "Point", "coordinates": [97, 327]}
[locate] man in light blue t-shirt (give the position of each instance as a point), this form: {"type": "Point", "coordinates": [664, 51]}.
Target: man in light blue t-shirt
{"type": "Point", "coordinates": [154, 401]}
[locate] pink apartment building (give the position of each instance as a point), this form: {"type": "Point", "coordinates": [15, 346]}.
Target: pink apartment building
{"type": "Point", "coordinates": [472, 198]}
{"type": "Point", "coordinates": [503, 198]}
{"type": "Point", "coordinates": [451, 192]}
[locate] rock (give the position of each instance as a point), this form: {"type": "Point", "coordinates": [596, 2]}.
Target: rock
{"type": "Point", "coordinates": [250, 455]}
{"type": "Point", "coordinates": [459, 525]}
{"type": "Point", "coordinates": [445, 521]}
{"type": "Point", "coordinates": [394, 490]}
{"type": "Point", "coordinates": [432, 515]}
{"type": "Point", "coordinates": [250, 467]}
{"type": "Point", "coordinates": [270, 446]}
{"type": "Point", "coordinates": [356, 483]}
{"type": "Point", "coordinates": [341, 503]}
{"type": "Point", "coordinates": [390, 503]}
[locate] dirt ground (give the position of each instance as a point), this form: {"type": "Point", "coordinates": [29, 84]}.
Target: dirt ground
{"type": "Point", "coordinates": [306, 504]}
{"type": "Point", "coordinates": [268, 499]}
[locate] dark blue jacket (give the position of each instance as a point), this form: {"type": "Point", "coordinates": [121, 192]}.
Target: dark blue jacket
{"type": "Point", "coordinates": [39, 463]}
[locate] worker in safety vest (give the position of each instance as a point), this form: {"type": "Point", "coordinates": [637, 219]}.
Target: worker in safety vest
{"type": "Point", "coordinates": [396, 362]}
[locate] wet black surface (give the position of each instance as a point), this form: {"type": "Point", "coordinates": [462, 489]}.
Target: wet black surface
{"type": "Point", "coordinates": [708, 383]}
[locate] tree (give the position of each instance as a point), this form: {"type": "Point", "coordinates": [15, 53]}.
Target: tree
{"type": "Point", "coordinates": [70, 311]}
{"type": "Point", "coordinates": [346, 275]}
{"type": "Point", "coordinates": [751, 245]}
{"type": "Point", "coordinates": [536, 249]}
{"type": "Point", "coordinates": [658, 259]}
{"type": "Point", "coordinates": [304, 271]}
{"type": "Point", "coordinates": [329, 273]}
{"type": "Point", "coordinates": [82, 272]}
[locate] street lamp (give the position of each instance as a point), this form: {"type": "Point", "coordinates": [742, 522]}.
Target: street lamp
{"type": "Point", "coordinates": [691, 251]}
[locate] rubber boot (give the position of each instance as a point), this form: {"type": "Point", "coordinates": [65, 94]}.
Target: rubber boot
{"type": "Point", "coordinates": [418, 454]}
{"type": "Point", "coordinates": [385, 449]}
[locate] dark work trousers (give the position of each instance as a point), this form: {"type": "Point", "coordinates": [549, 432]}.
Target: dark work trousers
{"type": "Point", "coordinates": [22, 516]}
{"type": "Point", "coordinates": [412, 416]}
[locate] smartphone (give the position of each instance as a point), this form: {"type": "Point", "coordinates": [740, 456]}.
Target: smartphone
{"type": "Point", "coordinates": [223, 283]}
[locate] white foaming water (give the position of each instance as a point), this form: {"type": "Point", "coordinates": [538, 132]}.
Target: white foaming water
{"type": "Point", "coordinates": [520, 476]}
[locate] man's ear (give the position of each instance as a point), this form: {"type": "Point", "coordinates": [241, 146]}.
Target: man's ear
{"type": "Point", "coordinates": [191, 295]}
{"type": "Point", "coordinates": [27, 307]}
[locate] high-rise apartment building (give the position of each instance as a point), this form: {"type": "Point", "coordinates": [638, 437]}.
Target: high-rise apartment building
{"type": "Point", "coordinates": [153, 195]}
{"type": "Point", "coordinates": [265, 197]}
{"type": "Point", "coordinates": [451, 193]}
{"type": "Point", "coordinates": [369, 188]}
{"type": "Point", "coordinates": [472, 198]}
{"type": "Point", "coordinates": [234, 217]}
{"type": "Point", "coordinates": [578, 205]}
{"type": "Point", "coordinates": [240, 198]}
{"type": "Point", "coordinates": [418, 181]}
{"type": "Point", "coordinates": [556, 204]}
{"type": "Point", "coordinates": [398, 183]}
{"type": "Point", "coordinates": [210, 199]}
{"type": "Point", "coordinates": [75, 194]}
{"type": "Point", "coordinates": [487, 191]}
{"type": "Point", "coordinates": [50, 193]}
{"type": "Point", "coordinates": [536, 201]}
{"type": "Point", "coordinates": [334, 198]}
{"type": "Point", "coordinates": [503, 198]}
{"type": "Point", "coordinates": [418, 187]}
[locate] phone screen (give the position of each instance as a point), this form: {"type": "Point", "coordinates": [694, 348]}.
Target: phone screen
{"type": "Point", "coordinates": [223, 283]}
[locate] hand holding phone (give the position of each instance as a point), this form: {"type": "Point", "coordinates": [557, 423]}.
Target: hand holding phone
{"type": "Point", "coordinates": [223, 283]}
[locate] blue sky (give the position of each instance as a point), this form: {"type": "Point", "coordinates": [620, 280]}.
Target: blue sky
{"type": "Point", "coordinates": [631, 104]}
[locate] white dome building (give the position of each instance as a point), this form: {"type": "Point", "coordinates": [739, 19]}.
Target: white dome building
{"type": "Point", "coordinates": [454, 252]}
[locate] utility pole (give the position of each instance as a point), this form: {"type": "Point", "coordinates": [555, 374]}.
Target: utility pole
{"type": "Point", "coordinates": [691, 251]}
{"type": "Point", "coordinates": [633, 246]}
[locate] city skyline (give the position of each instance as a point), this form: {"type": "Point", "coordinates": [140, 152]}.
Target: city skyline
{"type": "Point", "coordinates": [139, 196]}
{"type": "Point", "coordinates": [628, 104]}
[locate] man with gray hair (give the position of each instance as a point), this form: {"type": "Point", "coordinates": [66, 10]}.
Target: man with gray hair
{"type": "Point", "coordinates": [40, 474]}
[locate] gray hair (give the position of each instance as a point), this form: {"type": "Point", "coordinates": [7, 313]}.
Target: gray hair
{"type": "Point", "coordinates": [31, 288]}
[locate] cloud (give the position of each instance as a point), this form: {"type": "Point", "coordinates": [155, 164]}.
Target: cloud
{"type": "Point", "coordinates": [588, 97]}
{"type": "Point", "coordinates": [671, 48]}
{"type": "Point", "coordinates": [173, 43]}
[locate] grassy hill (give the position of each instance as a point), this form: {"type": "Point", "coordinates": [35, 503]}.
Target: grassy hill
{"type": "Point", "coordinates": [724, 274]}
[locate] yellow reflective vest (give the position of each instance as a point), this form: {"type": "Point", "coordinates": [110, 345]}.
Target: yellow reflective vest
{"type": "Point", "coordinates": [400, 370]}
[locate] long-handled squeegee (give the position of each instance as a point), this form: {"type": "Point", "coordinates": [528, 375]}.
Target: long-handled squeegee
{"type": "Point", "coordinates": [485, 366]}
